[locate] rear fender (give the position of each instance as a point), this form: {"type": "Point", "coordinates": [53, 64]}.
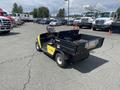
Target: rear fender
{"type": "Point", "coordinates": [59, 51]}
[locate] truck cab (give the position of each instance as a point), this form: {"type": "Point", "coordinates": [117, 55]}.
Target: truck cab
{"type": "Point", "coordinates": [115, 27]}
{"type": "Point", "coordinates": [5, 24]}
{"type": "Point", "coordinates": [5, 14]}
{"type": "Point", "coordinates": [87, 19]}
{"type": "Point", "coordinates": [104, 21]}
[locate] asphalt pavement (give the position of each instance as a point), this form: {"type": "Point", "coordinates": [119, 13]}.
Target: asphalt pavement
{"type": "Point", "coordinates": [23, 68]}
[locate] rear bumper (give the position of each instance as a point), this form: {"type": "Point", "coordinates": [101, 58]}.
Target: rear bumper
{"type": "Point", "coordinates": [81, 55]}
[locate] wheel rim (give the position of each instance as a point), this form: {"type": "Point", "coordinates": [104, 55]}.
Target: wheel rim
{"type": "Point", "coordinates": [37, 47]}
{"type": "Point", "coordinates": [59, 60]}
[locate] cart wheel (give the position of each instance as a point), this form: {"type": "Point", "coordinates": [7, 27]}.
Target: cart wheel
{"type": "Point", "coordinates": [61, 62]}
{"type": "Point", "coordinates": [37, 47]}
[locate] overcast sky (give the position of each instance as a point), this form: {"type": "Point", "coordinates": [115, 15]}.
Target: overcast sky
{"type": "Point", "coordinates": [54, 5]}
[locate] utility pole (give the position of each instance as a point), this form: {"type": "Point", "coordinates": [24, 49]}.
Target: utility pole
{"type": "Point", "coordinates": [68, 8]}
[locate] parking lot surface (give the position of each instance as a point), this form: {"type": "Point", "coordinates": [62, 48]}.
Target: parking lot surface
{"type": "Point", "coordinates": [23, 68]}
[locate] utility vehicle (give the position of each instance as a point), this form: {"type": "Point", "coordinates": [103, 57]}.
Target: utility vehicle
{"type": "Point", "coordinates": [67, 46]}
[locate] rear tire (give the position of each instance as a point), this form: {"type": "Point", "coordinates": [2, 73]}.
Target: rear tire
{"type": "Point", "coordinates": [37, 47]}
{"type": "Point", "coordinates": [60, 60]}
{"type": "Point", "coordinates": [94, 29]}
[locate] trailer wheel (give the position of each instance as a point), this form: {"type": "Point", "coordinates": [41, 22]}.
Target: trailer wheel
{"type": "Point", "coordinates": [61, 62]}
{"type": "Point", "coordinates": [37, 47]}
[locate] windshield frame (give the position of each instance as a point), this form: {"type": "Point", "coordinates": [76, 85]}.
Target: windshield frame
{"type": "Point", "coordinates": [89, 14]}
{"type": "Point", "coordinates": [4, 14]}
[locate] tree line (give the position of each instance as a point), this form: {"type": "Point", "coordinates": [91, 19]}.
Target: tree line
{"type": "Point", "coordinates": [17, 9]}
{"type": "Point", "coordinates": [41, 12]}
{"type": "Point", "coordinates": [44, 12]}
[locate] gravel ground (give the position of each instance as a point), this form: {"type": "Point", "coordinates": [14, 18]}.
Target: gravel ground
{"type": "Point", "coordinates": [23, 68]}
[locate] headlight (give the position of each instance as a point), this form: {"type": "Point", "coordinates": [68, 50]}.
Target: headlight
{"type": "Point", "coordinates": [108, 23]}
{"type": "Point", "coordinates": [90, 20]}
{"type": "Point", "coordinates": [93, 22]}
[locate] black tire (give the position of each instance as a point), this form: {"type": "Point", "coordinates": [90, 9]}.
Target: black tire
{"type": "Point", "coordinates": [7, 32]}
{"type": "Point", "coordinates": [80, 26]}
{"type": "Point", "coordinates": [94, 29]}
{"type": "Point", "coordinates": [60, 60]}
{"type": "Point", "coordinates": [37, 47]}
{"type": "Point", "coordinates": [90, 27]}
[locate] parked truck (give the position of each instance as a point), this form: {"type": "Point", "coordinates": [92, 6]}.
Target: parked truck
{"type": "Point", "coordinates": [5, 24]}
{"type": "Point", "coordinates": [104, 21]}
{"type": "Point", "coordinates": [5, 14]}
{"type": "Point", "coordinates": [87, 19]}
{"type": "Point", "coordinates": [115, 27]}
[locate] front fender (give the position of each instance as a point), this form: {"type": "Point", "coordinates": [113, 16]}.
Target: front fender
{"type": "Point", "coordinates": [39, 41]}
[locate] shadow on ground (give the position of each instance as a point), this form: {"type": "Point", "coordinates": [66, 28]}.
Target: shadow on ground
{"type": "Point", "coordinates": [88, 65]}
{"type": "Point", "coordinates": [9, 34]}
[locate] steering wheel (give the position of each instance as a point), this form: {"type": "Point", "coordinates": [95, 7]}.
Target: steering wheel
{"type": "Point", "coordinates": [50, 29]}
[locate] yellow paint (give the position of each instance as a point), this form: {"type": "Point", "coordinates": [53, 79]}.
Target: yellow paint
{"type": "Point", "coordinates": [39, 41]}
{"type": "Point", "coordinates": [50, 49]}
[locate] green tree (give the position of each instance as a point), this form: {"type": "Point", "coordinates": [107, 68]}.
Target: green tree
{"type": "Point", "coordinates": [118, 13]}
{"type": "Point", "coordinates": [43, 12]}
{"type": "Point", "coordinates": [20, 9]}
{"type": "Point", "coordinates": [35, 13]}
{"type": "Point", "coordinates": [61, 13]}
{"type": "Point", "coordinates": [15, 8]}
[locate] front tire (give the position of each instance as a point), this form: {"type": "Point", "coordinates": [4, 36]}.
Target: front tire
{"type": "Point", "coordinates": [90, 27]}
{"type": "Point", "coordinates": [60, 60]}
{"type": "Point", "coordinates": [37, 47]}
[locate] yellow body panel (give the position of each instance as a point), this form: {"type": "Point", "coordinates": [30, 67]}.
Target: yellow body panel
{"type": "Point", "coordinates": [51, 49]}
{"type": "Point", "coordinates": [39, 42]}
